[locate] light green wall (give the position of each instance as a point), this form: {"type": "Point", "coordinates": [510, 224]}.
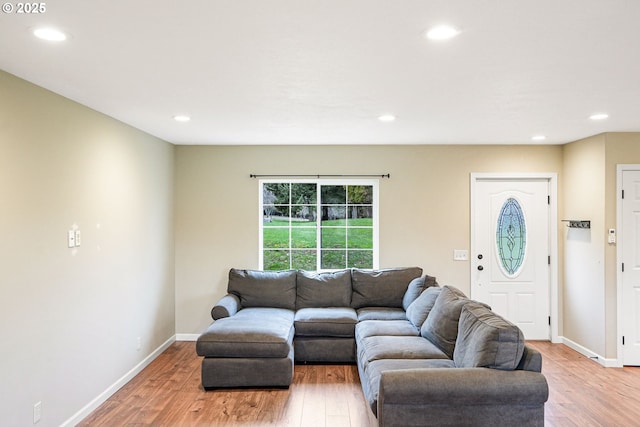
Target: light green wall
{"type": "Point", "coordinates": [424, 207]}
{"type": "Point", "coordinates": [71, 317]}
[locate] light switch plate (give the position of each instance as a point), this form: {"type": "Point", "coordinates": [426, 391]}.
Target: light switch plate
{"type": "Point", "coordinates": [78, 238]}
{"type": "Point", "coordinates": [71, 238]}
{"type": "Point", "coordinates": [460, 255]}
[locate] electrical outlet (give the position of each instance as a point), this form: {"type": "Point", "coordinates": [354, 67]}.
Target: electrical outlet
{"type": "Point", "coordinates": [37, 412]}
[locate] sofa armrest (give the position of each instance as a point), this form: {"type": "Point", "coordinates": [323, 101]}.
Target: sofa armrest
{"type": "Point", "coordinates": [461, 396]}
{"type": "Point", "coordinates": [531, 360]}
{"type": "Point", "coordinates": [227, 306]}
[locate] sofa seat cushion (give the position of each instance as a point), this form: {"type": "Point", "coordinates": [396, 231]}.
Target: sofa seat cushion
{"type": "Point", "coordinates": [381, 313]}
{"type": "Point", "coordinates": [326, 322]}
{"type": "Point", "coordinates": [371, 376]}
{"type": "Point", "coordinates": [371, 328]}
{"type": "Point", "coordinates": [381, 288]}
{"type": "Point", "coordinates": [323, 289]}
{"type": "Point", "coordinates": [397, 347]}
{"type": "Point", "coordinates": [252, 332]}
{"type": "Point", "coordinates": [486, 340]}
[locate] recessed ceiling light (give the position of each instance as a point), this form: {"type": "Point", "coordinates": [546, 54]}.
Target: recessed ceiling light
{"type": "Point", "coordinates": [50, 34]}
{"type": "Point", "coordinates": [538, 138]}
{"type": "Point", "coordinates": [387, 118]}
{"type": "Point", "coordinates": [442, 32]}
{"type": "Point", "coordinates": [599, 116]}
{"type": "Point", "coordinates": [181, 118]}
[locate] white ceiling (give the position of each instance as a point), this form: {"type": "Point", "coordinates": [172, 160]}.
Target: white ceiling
{"type": "Point", "coordinates": [322, 71]}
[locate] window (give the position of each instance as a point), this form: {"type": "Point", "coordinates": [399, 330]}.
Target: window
{"type": "Point", "coordinates": [318, 224]}
{"type": "Point", "coordinates": [511, 237]}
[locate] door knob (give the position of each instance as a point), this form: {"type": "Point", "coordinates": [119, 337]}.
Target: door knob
{"type": "Point", "coordinates": [480, 268]}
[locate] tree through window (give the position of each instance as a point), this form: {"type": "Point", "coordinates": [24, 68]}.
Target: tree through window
{"type": "Point", "coordinates": [318, 225]}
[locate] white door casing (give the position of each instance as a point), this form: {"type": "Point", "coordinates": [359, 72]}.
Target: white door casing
{"type": "Point", "coordinates": [520, 285]}
{"type": "Point", "coordinates": [629, 257]}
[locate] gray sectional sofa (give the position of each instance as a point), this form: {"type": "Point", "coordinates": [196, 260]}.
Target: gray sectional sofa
{"type": "Point", "coordinates": [427, 355]}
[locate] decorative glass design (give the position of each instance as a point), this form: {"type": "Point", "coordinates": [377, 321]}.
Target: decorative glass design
{"type": "Point", "coordinates": [511, 237]}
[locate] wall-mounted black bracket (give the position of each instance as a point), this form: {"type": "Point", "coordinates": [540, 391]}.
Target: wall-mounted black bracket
{"type": "Point", "coordinates": [578, 223]}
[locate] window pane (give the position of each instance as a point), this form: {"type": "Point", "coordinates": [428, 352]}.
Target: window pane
{"type": "Point", "coordinates": [304, 260]}
{"type": "Point", "coordinates": [360, 259]}
{"type": "Point", "coordinates": [304, 194]}
{"type": "Point", "coordinates": [360, 194]}
{"type": "Point", "coordinates": [361, 212]}
{"type": "Point", "coordinates": [275, 237]}
{"type": "Point", "coordinates": [360, 238]}
{"type": "Point", "coordinates": [334, 237]}
{"type": "Point", "coordinates": [333, 195]}
{"type": "Point", "coordinates": [276, 260]}
{"type": "Point", "coordinates": [333, 259]}
{"type": "Point", "coordinates": [303, 215]}
{"type": "Point", "coordinates": [334, 215]}
{"type": "Point", "coordinates": [303, 237]}
{"type": "Point", "coordinates": [275, 216]}
{"type": "Point", "coordinates": [276, 194]}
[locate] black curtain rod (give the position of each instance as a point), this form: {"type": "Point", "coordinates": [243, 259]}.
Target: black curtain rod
{"type": "Point", "coordinates": [321, 176]}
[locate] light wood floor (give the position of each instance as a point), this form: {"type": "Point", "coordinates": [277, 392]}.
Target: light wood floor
{"type": "Point", "coordinates": [584, 394]}
{"type": "Point", "coordinates": [168, 393]}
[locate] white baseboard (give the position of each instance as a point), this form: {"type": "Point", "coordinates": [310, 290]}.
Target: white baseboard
{"type": "Point", "coordinates": [110, 391]}
{"type": "Point", "coordinates": [607, 363]}
{"type": "Point", "coordinates": [187, 337]}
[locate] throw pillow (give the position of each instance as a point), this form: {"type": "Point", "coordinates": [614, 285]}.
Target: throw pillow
{"type": "Point", "coordinates": [486, 340]}
{"type": "Point", "coordinates": [418, 310]}
{"type": "Point", "coordinates": [416, 287]}
{"type": "Point", "coordinates": [441, 326]}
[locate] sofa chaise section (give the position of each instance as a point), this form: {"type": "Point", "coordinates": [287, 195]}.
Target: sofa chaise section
{"type": "Point", "coordinates": [257, 339]}
{"type": "Point", "coordinates": [250, 342]}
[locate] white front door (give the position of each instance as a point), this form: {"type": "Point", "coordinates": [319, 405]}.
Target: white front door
{"type": "Point", "coordinates": [629, 238]}
{"type": "Point", "coordinates": [510, 251]}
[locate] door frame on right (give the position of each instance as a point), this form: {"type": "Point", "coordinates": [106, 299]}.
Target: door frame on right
{"type": "Point", "coordinates": [620, 168]}
{"type": "Point", "coordinates": [552, 178]}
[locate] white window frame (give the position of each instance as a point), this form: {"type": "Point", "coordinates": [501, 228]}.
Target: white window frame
{"type": "Point", "coordinates": [374, 183]}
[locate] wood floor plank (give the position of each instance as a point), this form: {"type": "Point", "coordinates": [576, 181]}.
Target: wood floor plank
{"type": "Point", "coordinates": [169, 393]}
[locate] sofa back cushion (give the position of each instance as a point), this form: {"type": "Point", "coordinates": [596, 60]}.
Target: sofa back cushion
{"type": "Point", "coordinates": [381, 288]}
{"type": "Point", "coordinates": [441, 326]}
{"type": "Point", "coordinates": [415, 288]}
{"type": "Point", "coordinates": [419, 309]}
{"type": "Point", "coordinates": [486, 340]}
{"type": "Point", "coordinates": [264, 288]}
{"type": "Point", "coordinates": [327, 289]}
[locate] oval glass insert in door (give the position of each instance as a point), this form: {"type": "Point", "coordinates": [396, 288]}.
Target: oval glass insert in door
{"type": "Point", "coordinates": [511, 237]}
